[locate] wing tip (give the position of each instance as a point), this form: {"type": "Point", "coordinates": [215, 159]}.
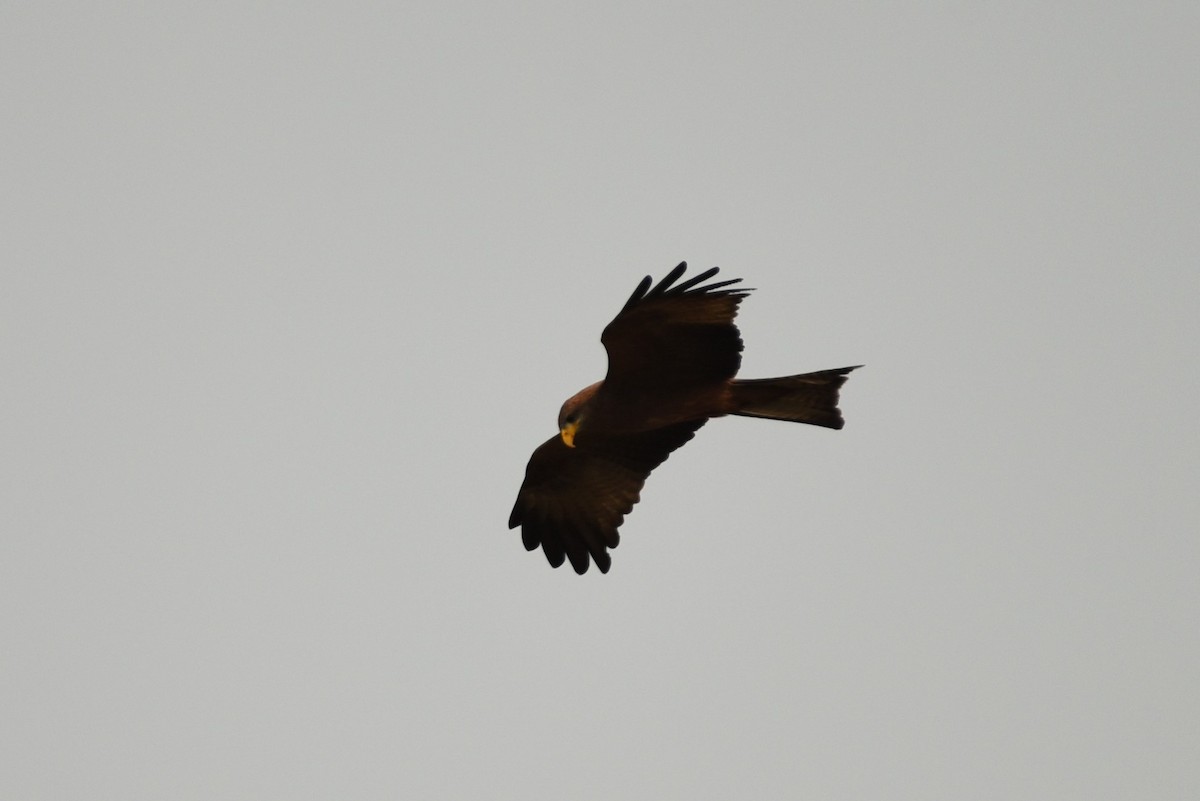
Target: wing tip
{"type": "Point", "coordinates": [647, 289]}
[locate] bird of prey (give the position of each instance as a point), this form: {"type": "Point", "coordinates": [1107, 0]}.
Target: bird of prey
{"type": "Point", "coordinates": [673, 352]}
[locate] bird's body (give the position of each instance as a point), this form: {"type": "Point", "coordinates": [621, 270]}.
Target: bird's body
{"type": "Point", "coordinates": [673, 353]}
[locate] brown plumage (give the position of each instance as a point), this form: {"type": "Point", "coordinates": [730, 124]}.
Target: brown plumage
{"type": "Point", "coordinates": [673, 352]}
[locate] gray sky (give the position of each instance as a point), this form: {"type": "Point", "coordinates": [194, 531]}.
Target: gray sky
{"type": "Point", "coordinates": [289, 293]}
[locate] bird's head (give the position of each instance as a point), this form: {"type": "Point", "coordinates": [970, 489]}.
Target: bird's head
{"type": "Point", "coordinates": [573, 412]}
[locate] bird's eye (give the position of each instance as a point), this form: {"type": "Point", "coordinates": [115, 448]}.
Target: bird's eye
{"type": "Point", "coordinates": [571, 418]}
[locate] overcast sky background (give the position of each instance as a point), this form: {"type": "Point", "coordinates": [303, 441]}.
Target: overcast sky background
{"type": "Point", "coordinates": [289, 293]}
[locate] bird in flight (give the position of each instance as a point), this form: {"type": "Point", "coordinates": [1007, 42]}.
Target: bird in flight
{"type": "Point", "coordinates": [673, 352]}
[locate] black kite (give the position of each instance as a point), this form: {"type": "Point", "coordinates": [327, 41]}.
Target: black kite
{"type": "Point", "coordinates": [673, 352]}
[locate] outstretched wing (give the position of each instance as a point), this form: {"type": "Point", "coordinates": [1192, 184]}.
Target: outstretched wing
{"type": "Point", "coordinates": [573, 500]}
{"type": "Point", "coordinates": [673, 338]}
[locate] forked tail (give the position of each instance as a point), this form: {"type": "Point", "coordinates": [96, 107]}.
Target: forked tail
{"type": "Point", "coordinates": [808, 398]}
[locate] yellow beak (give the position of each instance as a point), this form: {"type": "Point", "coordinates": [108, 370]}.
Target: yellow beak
{"type": "Point", "coordinates": [568, 434]}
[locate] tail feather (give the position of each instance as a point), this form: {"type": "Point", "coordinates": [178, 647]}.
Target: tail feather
{"type": "Point", "coordinates": [809, 398]}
